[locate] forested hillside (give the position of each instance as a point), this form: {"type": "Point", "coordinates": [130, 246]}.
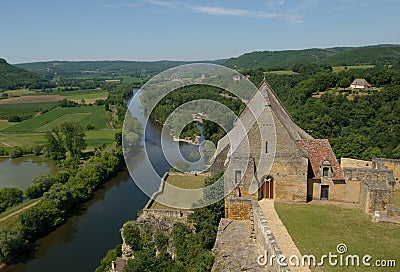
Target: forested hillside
{"type": "Point", "coordinates": [51, 69]}
{"type": "Point", "coordinates": [358, 126]}
{"type": "Point", "coordinates": [332, 56]}
{"type": "Point", "coordinates": [12, 77]}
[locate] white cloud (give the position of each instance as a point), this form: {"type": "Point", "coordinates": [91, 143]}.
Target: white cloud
{"type": "Point", "coordinates": [246, 13]}
{"type": "Point", "coordinates": [122, 5]}
{"type": "Point", "coordinates": [171, 5]}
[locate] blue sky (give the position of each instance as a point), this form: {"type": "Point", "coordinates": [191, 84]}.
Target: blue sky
{"type": "Point", "coordinates": [40, 30]}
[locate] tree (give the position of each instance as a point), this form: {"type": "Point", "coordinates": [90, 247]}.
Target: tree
{"type": "Point", "coordinates": [69, 136]}
{"type": "Point", "coordinates": [16, 152]}
{"type": "Point", "coordinates": [55, 144]}
{"type": "Point", "coordinates": [118, 138]}
{"type": "Point", "coordinates": [344, 83]}
{"type": "Point", "coordinates": [12, 244]}
{"type": "Point", "coordinates": [41, 184]}
{"type": "Point", "coordinates": [61, 196]}
{"type": "Point", "coordinates": [39, 219]}
{"type": "Point", "coordinates": [131, 234]}
{"type": "Point", "coordinates": [74, 137]}
{"type": "Point", "coordinates": [9, 197]}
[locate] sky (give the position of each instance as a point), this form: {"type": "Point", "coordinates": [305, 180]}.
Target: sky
{"type": "Point", "coordinates": [44, 30]}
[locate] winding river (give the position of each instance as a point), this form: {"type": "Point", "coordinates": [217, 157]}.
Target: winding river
{"type": "Point", "coordinates": [80, 243]}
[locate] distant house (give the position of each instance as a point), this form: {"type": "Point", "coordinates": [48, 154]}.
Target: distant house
{"type": "Point", "coordinates": [360, 84]}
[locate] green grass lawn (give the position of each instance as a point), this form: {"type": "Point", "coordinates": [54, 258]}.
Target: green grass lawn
{"type": "Point", "coordinates": [186, 181]}
{"type": "Point", "coordinates": [319, 229]}
{"type": "Point", "coordinates": [95, 115]}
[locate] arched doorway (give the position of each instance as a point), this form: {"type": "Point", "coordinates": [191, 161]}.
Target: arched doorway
{"type": "Point", "coordinates": [267, 188]}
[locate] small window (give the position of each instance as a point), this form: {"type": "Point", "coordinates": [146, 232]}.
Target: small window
{"type": "Point", "coordinates": [266, 147]}
{"type": "Point", "coordinates": [325, 172]}
{"type": "Point", "coordinates": [238, 176]}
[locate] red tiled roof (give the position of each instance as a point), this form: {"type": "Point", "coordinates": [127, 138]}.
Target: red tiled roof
{"type": "Point", "coordinates": [319, 150]}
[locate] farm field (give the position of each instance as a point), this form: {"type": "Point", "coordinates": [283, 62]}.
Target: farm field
{"type": "Point", "coordinates": [318, 229]}
{"type": "Point", "coordinates": [90, 96]}
{"type": "Point", "coordinates": [31, 131]}
{"type": "Point", "coordinates": [24, 110]}
{"type": "Point", "coordinates": [94, 115]}
{"type": "Point", "coordinates": [342, 68]}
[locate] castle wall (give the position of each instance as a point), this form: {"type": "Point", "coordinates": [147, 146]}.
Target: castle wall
{"type": "Point", "coordinates": [393, 165]}
{"type": "Point", "coordinates": [353, 163]}
{"type": "Point", "coordinates": [238, 208]}
{"type": "Point", "coordinates": [375, 196]}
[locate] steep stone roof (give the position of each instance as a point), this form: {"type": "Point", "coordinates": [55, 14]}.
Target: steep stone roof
{"type": "Point", "coordinates": [319, 150]}
{"type": "Point", "coordinates": [277, 108]}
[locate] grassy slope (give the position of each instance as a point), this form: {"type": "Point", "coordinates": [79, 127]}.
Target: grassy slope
{"type": "Point", "coordinates": [319, 229]}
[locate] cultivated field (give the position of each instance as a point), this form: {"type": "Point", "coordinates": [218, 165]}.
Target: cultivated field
{"type": "Point", "coordinates": [32, 99]}
{"type": "Point", "coordinates": [94, 115]}
{"type": "Point", "coordinates": [90, 96]}
{"type": "Point", "coordinates": [31, 131]}
{"type": "Point", "coordinates": [24, 110]}
{"type": "Point", "coordinates": [317, 230]}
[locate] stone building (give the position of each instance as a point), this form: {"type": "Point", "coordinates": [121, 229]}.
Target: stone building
{"type": "Point", "coordinates": [266, 155]}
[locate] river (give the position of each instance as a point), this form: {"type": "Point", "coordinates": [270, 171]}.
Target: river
{"type": "Point", "coordinates": [80, 243]}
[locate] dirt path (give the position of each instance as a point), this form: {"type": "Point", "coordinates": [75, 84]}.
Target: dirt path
{"type": "Point", "coordinates": [285, 242]}
{"type": "Point", "coordinates": [19, 211]}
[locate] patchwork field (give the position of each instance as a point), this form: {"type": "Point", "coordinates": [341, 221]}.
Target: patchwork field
{"type": "Point", "coordinates": [94, 115]}
{"type": "Point", "coordinates": [317, 230]}
{"type": "Point", "coordinates": [31, 131]}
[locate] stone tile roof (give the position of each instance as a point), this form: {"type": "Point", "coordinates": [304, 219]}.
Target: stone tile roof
{"type": "Point", "coordinates": [360, 82]}
{"type": "Point", "coordinates": [319, 150]}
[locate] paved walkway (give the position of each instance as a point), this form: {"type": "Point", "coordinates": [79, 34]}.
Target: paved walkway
{"type": "Point", "coordinates": [285, 242]}
{"type": "Point", "coordinates": [235, 249]}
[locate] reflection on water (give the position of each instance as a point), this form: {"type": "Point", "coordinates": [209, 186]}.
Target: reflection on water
{"type": "Point", "coordinates": [82, 241]}
{"type": "Point", "coordinates": [19, 172]}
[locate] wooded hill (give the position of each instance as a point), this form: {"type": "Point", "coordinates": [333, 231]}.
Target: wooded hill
{"type": "Point", "coordinates": [12, 77]}
{"type": "Point", "coordinates": [103, 68]}
{"type": "Point", "coordinates": [337, 56]}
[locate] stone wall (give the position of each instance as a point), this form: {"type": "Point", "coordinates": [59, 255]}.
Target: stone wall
{"type": "Point", "coordinates": [238, 208]}
{"type": "Point", "coordinates": [375, 196]}
{"type": "Point", "coordinates": [353, 163]}
{"type": "Point", "coordinates": [290, 178]}
{"type": "Point", "coordinates": [347, 191]}
{"type": "Point", "coordinates": [266, 238]}
{"type": "Point", "coordinates": [361, 174]}
{"type": "Point", "coordinates": [172, 214]}
{"type": "Point", "coordinates": [393, 212]}
{"type": "Point", "coordinates": [392, 165]}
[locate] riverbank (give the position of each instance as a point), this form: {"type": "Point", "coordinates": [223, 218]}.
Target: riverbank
{"type": "Point", "coordinates": [63, 197]}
